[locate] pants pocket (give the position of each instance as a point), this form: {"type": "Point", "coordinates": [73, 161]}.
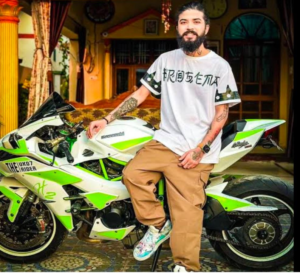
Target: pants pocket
{"type": "Point", "coordinates": [200, 197]}
{"type": "Point", "coordinates": [204, 175]}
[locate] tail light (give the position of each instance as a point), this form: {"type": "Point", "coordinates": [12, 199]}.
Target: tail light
{"type": "Point", "coordinates": [269, 132]}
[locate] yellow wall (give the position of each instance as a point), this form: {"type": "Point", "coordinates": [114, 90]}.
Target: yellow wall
{"type": "Point", "coordinates": [94, 81]}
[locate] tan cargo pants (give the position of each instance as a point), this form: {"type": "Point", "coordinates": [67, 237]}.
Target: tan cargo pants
{"type": "Point", "coordinates": [185, 194]}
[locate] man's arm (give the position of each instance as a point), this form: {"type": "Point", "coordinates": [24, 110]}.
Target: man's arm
{"type": "Point", "coordinates": [129, 104]}
{"type": "Point", "coordinates": [191, 158]}
{"type": "Point", "coordinates": [217, 124]}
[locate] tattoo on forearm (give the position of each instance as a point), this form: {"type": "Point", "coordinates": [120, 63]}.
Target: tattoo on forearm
{"type": "Point", "coordinates": [217, 132]}
{"type": "Point", "coordinates": [213, 137]}
{"type": "Point", "coordinates": [196, 155]}
{"type": "Point", "coordinates": [224, 115]}
{"type": "Point", "coordinates": [126, 107]}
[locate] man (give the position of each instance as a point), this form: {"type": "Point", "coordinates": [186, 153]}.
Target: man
{"type": "Point", "coordinates": [196, 88]}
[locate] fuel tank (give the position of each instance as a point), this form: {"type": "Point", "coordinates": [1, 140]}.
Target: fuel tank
{"type": "Point", "coordinates": [121, 139]}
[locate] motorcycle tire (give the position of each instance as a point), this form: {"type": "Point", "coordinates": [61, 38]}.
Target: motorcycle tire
{"type": "Point", "coordinates": [261, 190]}
{"type": "Point", "coordinates": [36, 253]}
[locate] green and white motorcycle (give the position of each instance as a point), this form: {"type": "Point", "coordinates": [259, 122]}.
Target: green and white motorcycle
{"type": "Point", "coordinates": [54, 180]}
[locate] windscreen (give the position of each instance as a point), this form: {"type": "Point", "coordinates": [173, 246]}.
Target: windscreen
{"type": "Point", "coordinates": [52, 106]}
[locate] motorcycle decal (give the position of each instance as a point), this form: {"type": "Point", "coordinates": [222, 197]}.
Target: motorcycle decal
{"type": "Point", "coordinates": [48, 159]}
{"type": "Point", "coordinates": [40, 190]}
{"type": "Point", "coordinates": [20, 165]}
{"type": "Point", "coordinates": [240, 144]}
{"type": "Point", "coordinates": [57, 176]}
{"type": "Point", "coordinates": [229, 203]}
{"type": "Point", "coordinates": [50, 195]}
{"type": "Point", "coordinates": [15, 167]}
{"type": "Point", "coordinates": [15, 204]}
{"type": "Point", "coordinates": [99, 231]}
{"type": "Point", "coordinates": [66, 220]}
{"type": "Point", "coordinates": [99, 199]}
{"type": "Point", "coordinates": [21, 150]}
{"type": "Point", "coordinates": [123, 145]}
{"type": "Point", "coordinates": [113, 135]}
{"type": "Point", "coordinates": [117, 234]}
{"type": "Point", "coordinates": [242, 135]}
{"type": "Point", "coordinates": [265, 124]}
{"type": "Point", "coordinates": [263, 120]}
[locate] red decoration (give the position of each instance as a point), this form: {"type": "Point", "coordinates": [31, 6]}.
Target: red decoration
{"type": "Point", "coordinates": [165, 16]}
{"type": "Point", "coordinates": [9, 2]}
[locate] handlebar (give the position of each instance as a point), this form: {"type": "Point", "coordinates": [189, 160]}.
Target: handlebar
{"type": "Point", "coordinates": [64, 146]}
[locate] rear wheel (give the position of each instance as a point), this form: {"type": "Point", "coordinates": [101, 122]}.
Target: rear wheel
{"type": "Point", "coordinates": [35, 239]}
{"type": "Point", "coordinates": [271, 235]}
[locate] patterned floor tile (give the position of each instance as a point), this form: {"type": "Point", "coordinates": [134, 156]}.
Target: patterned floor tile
{"type": "Point", "coordinates": [74, 255]}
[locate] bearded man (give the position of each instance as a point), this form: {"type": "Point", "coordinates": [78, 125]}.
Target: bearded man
{"type": "Point", "coordinates": [196, 87]}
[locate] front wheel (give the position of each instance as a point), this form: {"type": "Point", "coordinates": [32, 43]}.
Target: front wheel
{"type": "Point", "coordinates": [32, 240]}
{"type": "Point", "coordinates": [271, 238]}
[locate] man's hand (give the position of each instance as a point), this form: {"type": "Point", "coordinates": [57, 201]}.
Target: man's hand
{"type": "Point", "coordinates": [95, 127]}
{"type": "Point", "coordinates": [191, 159]}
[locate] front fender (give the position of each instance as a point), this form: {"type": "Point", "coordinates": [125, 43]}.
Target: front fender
{"type": "Point", "coordinates": [15, 192]}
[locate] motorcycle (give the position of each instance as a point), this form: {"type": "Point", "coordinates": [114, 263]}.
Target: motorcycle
{"type": "Point", "coordinates": [55, 180]}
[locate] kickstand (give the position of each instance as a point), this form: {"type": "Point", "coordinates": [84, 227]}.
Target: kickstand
{"type": "Point", "coordinates": [155, 258]}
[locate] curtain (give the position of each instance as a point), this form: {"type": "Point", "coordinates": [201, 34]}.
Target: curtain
{"type": "Point", "coordinates": [39, 86]}
{"type": "Point", "coordinates": [58, 15]}
{"type": "Point", "coordinates": [80, 70]}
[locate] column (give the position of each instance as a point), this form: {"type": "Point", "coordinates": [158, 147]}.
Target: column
{"type": "Point", "coordinates": [107, 69]}
{"type": "Point", "coordinates": [9, 66]}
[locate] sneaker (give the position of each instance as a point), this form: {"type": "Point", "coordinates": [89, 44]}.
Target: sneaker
{"type": "Point", "coordinates": [151, 241]}
{"type": "Point", "coordinates": [179, 268]}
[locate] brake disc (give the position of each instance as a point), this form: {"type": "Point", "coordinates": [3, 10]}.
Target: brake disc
{"type": "Point", "coordinates": [28, 237]}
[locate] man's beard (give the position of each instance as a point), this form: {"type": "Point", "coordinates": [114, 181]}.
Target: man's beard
{"type": "Point", "coordinates": [190, 46]}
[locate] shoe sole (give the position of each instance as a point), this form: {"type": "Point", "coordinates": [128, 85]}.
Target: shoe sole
{"type": "Point", "coordinates": [155, 248]}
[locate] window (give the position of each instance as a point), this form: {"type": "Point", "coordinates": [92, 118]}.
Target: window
{"type": "Point", "coordinates": [252, 47]}
{"type": "Point", "coordinates": [132, 58]}
{"type": "Point", "coordinates": [140, 51]}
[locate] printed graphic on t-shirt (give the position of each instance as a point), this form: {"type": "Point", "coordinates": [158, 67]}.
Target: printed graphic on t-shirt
{"type": "Point", "coordinates": [228, 95]}
{"type": "Point", "coordinates": [156, 86]}
{"type": "Point", "coordinates": [170, 75]}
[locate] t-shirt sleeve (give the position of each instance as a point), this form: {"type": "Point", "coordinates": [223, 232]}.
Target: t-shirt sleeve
{"type": "Point", "coordinates": [152, 78]}
{"type": "Point", "coordinates": [226, 91]}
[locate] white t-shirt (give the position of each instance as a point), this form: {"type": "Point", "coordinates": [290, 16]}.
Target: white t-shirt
{"type": "Point", "coordinates": [190, 88]}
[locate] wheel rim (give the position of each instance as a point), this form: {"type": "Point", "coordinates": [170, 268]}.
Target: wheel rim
{"type": "Point", "coordinates": [38, 249]}
{"type": "Point", "coordinates": [288, 246]}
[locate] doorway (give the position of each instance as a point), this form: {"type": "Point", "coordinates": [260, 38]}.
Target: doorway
{"type": "Point", "coordinates": [252, 48]}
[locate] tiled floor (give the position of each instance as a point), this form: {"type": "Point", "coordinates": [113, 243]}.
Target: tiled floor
{"type": "Point", "coordinates": [75, 255]}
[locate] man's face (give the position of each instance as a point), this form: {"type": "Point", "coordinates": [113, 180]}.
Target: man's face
{"type": "Point", "coordinates": [191, 30]}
